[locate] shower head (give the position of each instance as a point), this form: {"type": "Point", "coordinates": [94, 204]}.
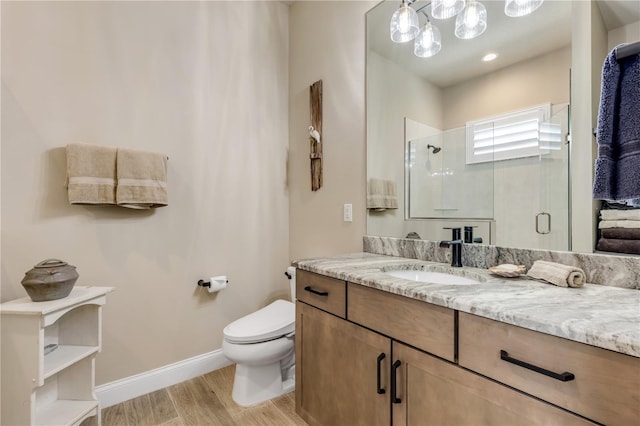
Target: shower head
{"type": "Point", "coordinates": [436, 149]}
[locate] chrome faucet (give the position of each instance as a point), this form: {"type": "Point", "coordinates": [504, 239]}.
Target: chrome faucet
{"type": "Point", "coordinates": [456, 247]}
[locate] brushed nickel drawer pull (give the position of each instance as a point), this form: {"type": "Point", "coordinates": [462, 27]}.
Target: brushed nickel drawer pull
{"type": "Point", "coordinates": [563, 377]}
{"type": "Point", "coordinates": [319, 293]}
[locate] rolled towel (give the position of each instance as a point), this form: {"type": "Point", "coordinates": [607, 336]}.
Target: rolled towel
{"type": "Point", "coordinates": [142, 179]}
{"type": "Point", "coordinates": [558, 274]}
{"type": "Point", "coordinates": [91, 174]}
{"type": "Point", "coordinates": [620, 214]}
{"type": "Point", "coordinates": [381, 194]}
{"type": "Point", "coordinates": [618, 224]}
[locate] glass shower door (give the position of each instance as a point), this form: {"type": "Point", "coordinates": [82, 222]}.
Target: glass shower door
{"type": "Point", "coordinates": [552, 220]}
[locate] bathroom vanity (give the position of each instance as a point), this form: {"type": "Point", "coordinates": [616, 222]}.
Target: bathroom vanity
{"type": "Point", "coordinates": [374, 349]}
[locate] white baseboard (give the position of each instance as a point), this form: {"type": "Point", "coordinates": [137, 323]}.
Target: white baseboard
{"type": "Point", "coordinates": [130, 387]}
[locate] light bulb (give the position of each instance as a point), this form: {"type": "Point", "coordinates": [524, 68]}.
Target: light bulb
{"type": "Point", "coordinates": [404, 24]}
{"type": "Point", "coordinates": [472, 21]}
{"type": "Point", "coordinates": [428, 42]}
{"type": "Point", "coordinates": [404, 20]}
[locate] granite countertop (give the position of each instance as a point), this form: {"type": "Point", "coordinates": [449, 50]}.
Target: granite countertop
{"type": "Point", "coordinates": [598, 315]}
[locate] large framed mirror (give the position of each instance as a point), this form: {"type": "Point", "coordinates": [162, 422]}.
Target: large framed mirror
{"type": "Point", "coordinates": [428, 118]}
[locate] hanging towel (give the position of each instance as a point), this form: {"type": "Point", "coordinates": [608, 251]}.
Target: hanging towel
{"type": "Point", "coordinates": [617, 168]}
{"type": "Point", "coordinates": [620, 214]}
{"type": "Point", "coordinates": [142, 179]}
{"type": "Point", "coordinates": [91, 174]}
{"type": "Point", "coordinates": [557, 273]}
{"type": "Point", "coordinates": [381, 194]}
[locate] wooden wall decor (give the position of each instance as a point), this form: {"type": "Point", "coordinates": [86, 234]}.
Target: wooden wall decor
{"type": "Point", "coordinates": [315, 134]}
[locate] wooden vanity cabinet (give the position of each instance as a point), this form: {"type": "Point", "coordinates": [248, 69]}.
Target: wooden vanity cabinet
{"type": "Point", "coordinates": [386, 359]}
{"type": "Point", "coordinates": [336, 366]}
{"type": "Point", "coordinates": [428, 327]}
{"type": "Point", "coordinates": [337, 361]}
{"type": "Point", "coordinates": [603, 385]}
{"type": "Point", "coordinates": [328, 294]}
{"type": "Point", "coordinates": [431, 391]}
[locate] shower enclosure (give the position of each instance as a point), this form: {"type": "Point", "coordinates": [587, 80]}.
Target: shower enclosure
{"type": "Point", "coordinates": [520, 186]}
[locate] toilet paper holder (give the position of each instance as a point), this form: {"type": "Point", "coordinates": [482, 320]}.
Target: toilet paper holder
{"type": "Point", "coordinates": [202, 283]}
{"type": "Point", "coordinates": [215, 283]}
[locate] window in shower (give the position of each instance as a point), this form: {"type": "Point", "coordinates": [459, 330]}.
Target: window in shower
{"type": "Point", "coordinates": [516, 134]}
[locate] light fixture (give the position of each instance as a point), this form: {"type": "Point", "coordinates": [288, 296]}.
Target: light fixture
{"type": "Point", "coordinates": [428, 42]}
{"type": "Point", "coordinates": [516, 8]}
{"type": "Point", "coordinates": [404, 24]}
{"type": "Point", "coordinates": [489, 57]}
{"type": "Point", "coordinates": [443, 9]}
{"type": "Point", "coordinates": [472, 21]}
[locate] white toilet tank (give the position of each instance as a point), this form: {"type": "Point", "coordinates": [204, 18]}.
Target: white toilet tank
{"type": "Point", "coordinates": [291, 274]}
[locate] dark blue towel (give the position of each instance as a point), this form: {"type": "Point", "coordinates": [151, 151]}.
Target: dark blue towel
{"type": "Point", "coordinates": [617, 168]}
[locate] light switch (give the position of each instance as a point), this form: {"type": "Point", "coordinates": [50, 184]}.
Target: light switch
{"type": "Point", "coordinates": [348, 213]}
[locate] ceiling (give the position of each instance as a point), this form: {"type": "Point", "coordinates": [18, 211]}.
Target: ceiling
{"type": "Point", "coordinates": [513, 39]}
{"type": "Point", "coordinates": [617, 13]}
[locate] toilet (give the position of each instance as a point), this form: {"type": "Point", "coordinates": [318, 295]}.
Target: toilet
{"type": "Point", "coordinates": [262, 346]}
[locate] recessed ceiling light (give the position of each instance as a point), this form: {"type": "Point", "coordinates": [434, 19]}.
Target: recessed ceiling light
{"type": "Point", "coordinates": [489, 57]}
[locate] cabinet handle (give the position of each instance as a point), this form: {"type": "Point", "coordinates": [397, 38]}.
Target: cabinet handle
{"type": "Point", "coordinates": [563, 377]}
{"type": "Point", "coordinates": [319, 293]}
{"type": "Point", "coordinates": [394, 387]}
{"type": "Point", "coordinates": [380, 358]}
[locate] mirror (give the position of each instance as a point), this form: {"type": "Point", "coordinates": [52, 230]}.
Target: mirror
{"type": "Point", "coordinates": [418, 110]}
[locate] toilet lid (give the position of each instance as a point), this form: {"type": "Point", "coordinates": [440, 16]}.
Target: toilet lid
{"type": "Point", "coordinates": [268, 323]}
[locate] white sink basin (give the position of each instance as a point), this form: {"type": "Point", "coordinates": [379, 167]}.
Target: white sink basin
{"type": "Point", "coordinates": [431, 277]}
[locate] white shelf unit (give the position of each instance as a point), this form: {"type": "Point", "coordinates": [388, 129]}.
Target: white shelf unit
{"type": "Point", "coordinates": [57, 388]}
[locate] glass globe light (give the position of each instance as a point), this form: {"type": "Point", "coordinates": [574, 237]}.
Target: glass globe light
{"type": "Point", "coordinates": [516, 8]}
{"type": "Point", "coordinates": [472, 21]}
{"type": "Point", "coordinates": [443, 9]}
{"type": "Point", "coordinates": [404, 24]}
{"type": "Point", "coordinates": [428, 42]}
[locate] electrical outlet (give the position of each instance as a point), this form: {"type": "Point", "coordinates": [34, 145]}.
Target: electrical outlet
{"type": "Point", "coordinates": [348, 213]}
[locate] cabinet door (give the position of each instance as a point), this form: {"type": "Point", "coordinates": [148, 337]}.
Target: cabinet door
{"type": "Point", "coordinates": [342, 371]}
{"type": "Point", "coordinates": [435, 392]}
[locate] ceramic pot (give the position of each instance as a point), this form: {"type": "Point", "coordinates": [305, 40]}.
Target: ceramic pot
{"type": "Point", "coordinates": [50, 279]}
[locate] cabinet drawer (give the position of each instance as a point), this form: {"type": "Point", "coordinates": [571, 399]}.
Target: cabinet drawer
{"type": "Point", "coordinates": [435, 392]}
{"type": "Point", "coordinates": [423, 325]}
{"type": "Point", "coordinates": [328, 294]}
{"type": "Point", "coordinates": [605, 384]}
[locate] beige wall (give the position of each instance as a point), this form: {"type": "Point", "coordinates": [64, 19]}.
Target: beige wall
{"type": "Point", "coordinates": [542, 79]}
{"type": "Point", "coordinates": [588, 52]}
{"type": "Point", "coordinates": [625, 34]}
{"type": "Point", "coordinates": [393, 95]}
{"type": "Point", "coordinates": [205, 83]}
{"type": "Point", "coordinates": [327, 41]}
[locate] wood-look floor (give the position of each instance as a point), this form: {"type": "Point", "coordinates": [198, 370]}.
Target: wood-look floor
{"type": "Point", "coordinates": [205, 400]}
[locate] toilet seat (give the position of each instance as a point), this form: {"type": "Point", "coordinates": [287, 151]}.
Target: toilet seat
{"type": "Point", "coordinates": [270, 322]}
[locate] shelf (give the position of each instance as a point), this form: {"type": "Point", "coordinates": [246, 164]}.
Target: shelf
{"type": "Point", "coordinates": [64, 356]}
{"type": "Point", "coordinates": [64, 412]}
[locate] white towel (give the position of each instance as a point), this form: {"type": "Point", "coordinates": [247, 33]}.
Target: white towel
{"type": "Point", "coordinates": [381, 194]}
{"type": "Point", "coordinates": [632, 214]}
{"type": "Point", "coordinates": [557, 273]}
{"type": "Point", "coordinates": [91, 174]}
{"type": "Point", "coordinates": [619, 224]}
{"type": "Point", "coordinates": [142, 179]}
